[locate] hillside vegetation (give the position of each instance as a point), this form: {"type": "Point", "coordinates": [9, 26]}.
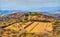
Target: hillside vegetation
{"type": "Point", "coordinates": [30, 24]}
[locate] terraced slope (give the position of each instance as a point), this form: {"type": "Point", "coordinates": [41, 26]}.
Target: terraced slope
{"type": "Point", "coordinates": [33, 27]}
{"type": "Point", "coordinates": [39, 27]}
{"type": "Point", "coordinates": [17, 26]}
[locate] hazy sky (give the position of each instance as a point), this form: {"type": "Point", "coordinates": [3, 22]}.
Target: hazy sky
{"type": "Point", "coordinates": [32, 5]}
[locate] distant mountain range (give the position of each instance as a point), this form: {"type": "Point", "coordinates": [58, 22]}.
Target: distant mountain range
{"type": "Point", "coordinates": [55, 14]}
{"type": "Point", "coordinates": [5, 12]}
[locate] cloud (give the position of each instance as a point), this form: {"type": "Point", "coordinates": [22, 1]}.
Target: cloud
{"type": "Point", "coordinates": [26, 4]}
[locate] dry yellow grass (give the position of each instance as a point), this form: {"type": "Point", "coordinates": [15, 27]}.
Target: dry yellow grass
{"type": "Point", "coordinates": [14, 26]}
{"type": "Point", "coordinates": [36, 27]}
{"type": "Point", "coordinates": [31, 26]}
{"type": "Point", "coordinates": [40, 27]}
{"type": "Point", "coordinates": [26, 24]}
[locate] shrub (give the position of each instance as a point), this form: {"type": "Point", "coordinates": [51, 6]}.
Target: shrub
{"type": "Point", "coordinates": [26, 14]}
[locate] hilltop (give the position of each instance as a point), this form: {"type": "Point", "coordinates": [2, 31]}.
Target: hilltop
{"type": "Point", "coordinates": [30, 23]}
{"type": "Point", "coordinates": [11, 18]}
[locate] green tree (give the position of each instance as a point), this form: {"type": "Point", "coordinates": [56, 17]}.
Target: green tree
{"type": "Point", "coordinates": [26, 14]}
{"type": "Point", "coordinates": [26, 19]}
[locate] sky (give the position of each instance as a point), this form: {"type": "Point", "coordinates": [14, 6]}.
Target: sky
{"type": "Point", "coordinates": [30, 5]}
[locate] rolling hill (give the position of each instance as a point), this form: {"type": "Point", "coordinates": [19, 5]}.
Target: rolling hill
{"type": "Point", "coordinates": [29, 22]}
